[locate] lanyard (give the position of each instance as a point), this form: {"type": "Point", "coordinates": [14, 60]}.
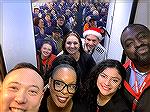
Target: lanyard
{"type": "Point", "coordinates": [139, 90]}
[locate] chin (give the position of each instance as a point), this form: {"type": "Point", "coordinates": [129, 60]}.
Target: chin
{"type": "Point", "coordinates": [61, 105]}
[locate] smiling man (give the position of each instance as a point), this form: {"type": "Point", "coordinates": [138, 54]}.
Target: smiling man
{"type": "Point", "coordinates": [135, 40]}
{"type": "Point", "coordinates": [22, 89]}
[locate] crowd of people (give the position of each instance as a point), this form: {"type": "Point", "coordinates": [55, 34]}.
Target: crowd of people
{"type": "Point", "coordinates": [72, 73]}
{"type": "Point", "coordinates": [58, 18]}
{"type": "Point", "coordinates": [109, 86]}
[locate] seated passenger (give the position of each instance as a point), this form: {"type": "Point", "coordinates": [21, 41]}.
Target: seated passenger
{"type": "Point", "coordinates": [39, 22]}
{"type": "Point", "coordinates": [103, 91]}
{"type": "Point", "coordinates": [22, 89]}
{"type": "Point", "coordinates": [63, 83]}
{"type": "Point", "coordinates": [45, 57]}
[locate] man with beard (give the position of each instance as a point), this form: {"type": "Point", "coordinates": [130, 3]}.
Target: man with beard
{"type": "Point", "coordinates": [135, 40]}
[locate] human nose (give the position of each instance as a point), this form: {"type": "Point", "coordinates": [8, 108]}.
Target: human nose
{"type": "Point", "coordinates": [65, 91]}
{"type": "Point", "coordinates": [138, 42]}
{"type": "Point", "coordinates": [107, 81]}
{"type": "Point", "coordinates": [72, 45]}
{"type": "Point", "coordinates": [21, 97]}
{"type": "Point", "coordinates": [90, 43]}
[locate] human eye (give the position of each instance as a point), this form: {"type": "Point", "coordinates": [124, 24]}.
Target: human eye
{"type": "Point", "coordinates": [13, 88]}
{"type": "Point", "coordinates": [94, 41]}
{"type": "Point", "coordinates": [129, 44]}
{"type": "Point", "coordinates": [142, 37]}
{"type": "Point", "coordinates": [88, 39]}
{"type": "Point", "coordinates": [59, 83]}
{"type": "Point", "coordinates": [68, 43]}
{"type": "Point", "coordinates": [33, 92]}
{"type": "Point", "coordinates": [75, 43]}
{"type": "Point", "coordinates": [44, 48]}
{"type": "Point", "coordinates": [49, 49]}
{"type": "Point", "coordinates": [115, 80]}
{"type": "Point", "coordinates": [102, 75]}
{"type": "Point", "coordinates": [72, 86]}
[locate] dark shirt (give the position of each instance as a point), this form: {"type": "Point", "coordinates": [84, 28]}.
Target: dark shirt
{"type": "Point", "coordinates": [86, 62]}
{"type": "Point", "coordinates": [116, 104]}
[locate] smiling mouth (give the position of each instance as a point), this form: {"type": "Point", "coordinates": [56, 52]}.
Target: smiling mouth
{"type": "Point", "coordinates": [13, 109]}
{"type": "Point", "coordinates": [62, 99]}
{"type": "Point", "coordinates": [106, 88]}
{"type": "Point", "coordinates": [142, 50]}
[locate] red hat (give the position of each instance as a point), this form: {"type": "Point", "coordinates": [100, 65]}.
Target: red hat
{"type": "Point", "coordinates": [93, 31]}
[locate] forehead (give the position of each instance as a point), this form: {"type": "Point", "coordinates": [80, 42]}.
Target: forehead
{"type": "Point", "coordinates": [112, 72]}
{"type": "Point", "coordinates": [60, 19]}
{"type": "Point", "coordinates": [41, 20]}
{"type": "Point", "coordinates": [72, 38]}
{"type": "Point", "coordinates": [46, 45]}
{"type": "Point", "coordinates": [65, 74]}
{"type": "Point", "coordinates": [91, 37]}
{"type": "Point", "coordinates": [134, 32]}
{"type": "Point", "coordinates": [24, 76]}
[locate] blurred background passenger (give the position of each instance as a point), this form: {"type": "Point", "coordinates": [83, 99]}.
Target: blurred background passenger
{"type": "Point", "coordinates": [72, 46]}
{"type": "Point", "coordinates": [45, 57]}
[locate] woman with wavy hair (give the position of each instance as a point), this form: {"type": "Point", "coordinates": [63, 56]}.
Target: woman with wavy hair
{"type": "Point", "coordinates": [103, 91]}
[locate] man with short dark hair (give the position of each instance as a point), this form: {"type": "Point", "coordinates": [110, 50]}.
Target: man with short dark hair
{"type": "Point", "coordinates": [22, 89]}
{"type": "Point", "coordinates": [57, 38]}
{"type": "Point", "coordinates": [135, 40]}
{"type": "Point", "coordinates": [61, 22]}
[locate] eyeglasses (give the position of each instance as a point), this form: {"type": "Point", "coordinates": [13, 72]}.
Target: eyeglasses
{"type": "Point", "coordinates": [60, 85]}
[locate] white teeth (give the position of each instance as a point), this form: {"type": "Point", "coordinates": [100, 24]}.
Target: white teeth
{"type": "Point", "coordinates": [106, 88]}
{"type": "Point", "coordinates": [17, 110]}
{"type": "Point", "coordinates": [62, 98]}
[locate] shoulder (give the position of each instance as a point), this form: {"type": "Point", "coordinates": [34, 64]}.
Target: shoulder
{"type": "Point", "coordinates": [53, 56]}
{"type": "Point", "coordinates": [119, 103]}
{"type": "Point", "coordinates": [87, 57]}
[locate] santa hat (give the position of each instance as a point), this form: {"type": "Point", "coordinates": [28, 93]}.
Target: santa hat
{"type": "Point", "coordinates": [93, 31]}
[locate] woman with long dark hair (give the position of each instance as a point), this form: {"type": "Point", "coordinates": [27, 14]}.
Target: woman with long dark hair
{"type": "Point", "coordinates": [103, 91]}
{"type": "Point", "coordinates": [72, 46]}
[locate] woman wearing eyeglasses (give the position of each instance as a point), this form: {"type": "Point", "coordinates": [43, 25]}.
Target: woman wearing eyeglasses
{"type": "Point", "coordinates": [62, 86]}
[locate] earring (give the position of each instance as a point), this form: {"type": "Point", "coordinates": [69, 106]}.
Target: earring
{"type": "Point", "coordinates": [119, 87]}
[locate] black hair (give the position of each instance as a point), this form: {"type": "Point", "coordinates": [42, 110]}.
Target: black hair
{"type": "Point", "coordinates": [90, 89]}
{"type": "Point", "coordinates": [74, 33]}
{"type": "Point", "coordinates": [65, 60]}
{"type": "Point", "coordinates": [133, 26]}
{"type": "Point", "coordinates": [50, 42]}
{"type": "Point", "coordinates": [36, 21]}
{"type": "Point", "coordinates": [25, 65]}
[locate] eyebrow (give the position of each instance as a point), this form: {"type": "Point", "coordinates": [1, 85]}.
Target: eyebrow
{"type": "Point", "coordinates": [20, 84]}
{"type": "Point", "coordinates": [64, 82]}
{"type": "Point", "coordinates": [111, 77]}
